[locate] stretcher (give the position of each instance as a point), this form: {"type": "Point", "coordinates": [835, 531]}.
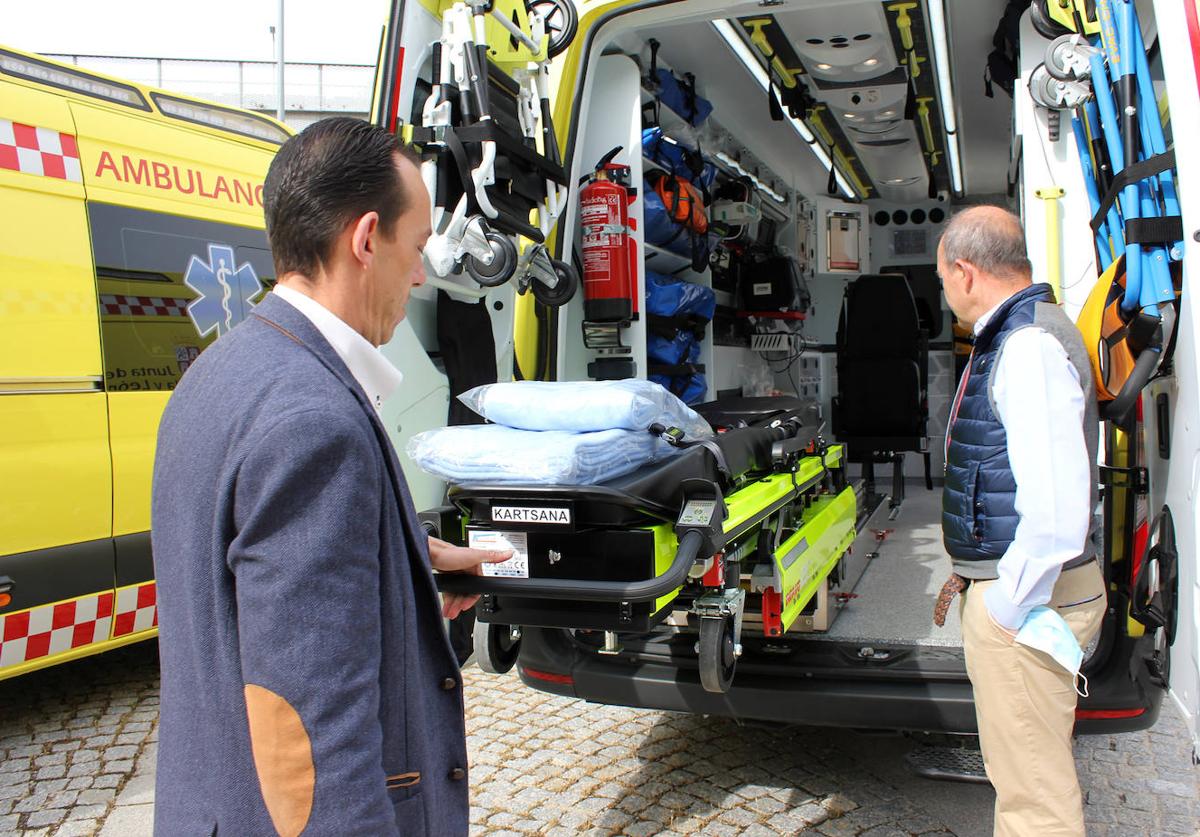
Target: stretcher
{"type": "Point", "coordinates": [753, 520]}
{"type": "Point", "coordinates": [492, 156]}
{"type": "Point", "coordinates": [1096, 68]}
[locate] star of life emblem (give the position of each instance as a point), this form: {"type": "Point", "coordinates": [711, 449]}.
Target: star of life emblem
{"type": "Point", "coordinates": [225, 291]}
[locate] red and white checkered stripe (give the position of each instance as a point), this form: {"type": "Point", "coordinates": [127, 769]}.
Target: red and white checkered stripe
{"type": "Point", "coordinates": [143, 306]}
{"type": "Point", "coordinates": [136, 609]}
{"type": "Point", "coordinates": [41, 151]}
{"type": "Point", "coordinates": [54, 628]}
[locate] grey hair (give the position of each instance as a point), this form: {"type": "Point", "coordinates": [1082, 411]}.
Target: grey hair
{"type": "Point", "coordinates": [989, 237]}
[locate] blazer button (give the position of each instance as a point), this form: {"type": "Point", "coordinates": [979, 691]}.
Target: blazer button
{"type": "Point", "coordinates": [449, 683]}
{"type": "Point", "coordinates": [457, 774]}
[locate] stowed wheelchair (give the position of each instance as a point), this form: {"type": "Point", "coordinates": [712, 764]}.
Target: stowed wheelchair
{"type": "Point", "coordinates": [493, 157]}
{"type": "Point", "coordinates": [740, 530]}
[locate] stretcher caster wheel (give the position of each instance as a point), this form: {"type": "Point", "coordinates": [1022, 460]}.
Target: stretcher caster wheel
{"type": "Point", "coordinates": [563, 292]}
{"type": "Point", "coordinates": [503, 266]}
{"type": "Point", "coordinates": [718, 654]}
{"type": "Point", "coordinates": [562, 22]}
{"type": "Point", "coordinates": [1061, 61]}
{"type": "Point", "coordinates": [1046, 26]}
{"type": "Point", "coordinates": [496, 646]}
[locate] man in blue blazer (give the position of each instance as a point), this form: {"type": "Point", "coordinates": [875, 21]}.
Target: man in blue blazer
{"type": "Point", "coordinates": [308, 686]}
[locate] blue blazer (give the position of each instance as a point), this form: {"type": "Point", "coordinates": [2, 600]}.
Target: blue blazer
{"type": "Point", "coordinates": [294, 579]}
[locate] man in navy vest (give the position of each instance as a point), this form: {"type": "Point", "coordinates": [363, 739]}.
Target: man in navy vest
{"type": "Point", "coordinates": [307, 682]}
{"type": "Point", "coordinates": [1018, 515]}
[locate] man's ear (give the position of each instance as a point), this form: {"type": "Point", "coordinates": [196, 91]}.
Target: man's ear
{"type": "Point", "coordinates": [968, 272]}
{"type": "Point", "coordinates": [362, 238]}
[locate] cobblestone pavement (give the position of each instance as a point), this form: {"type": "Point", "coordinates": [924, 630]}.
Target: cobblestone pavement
{"type": "Point", "coordinates": [77, 747]}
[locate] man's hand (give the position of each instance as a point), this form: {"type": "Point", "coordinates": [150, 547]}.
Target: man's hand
{"type": "Point", "coordinates": [1009, 632]}
{"type": "Point", "coordinates": [448, 558]}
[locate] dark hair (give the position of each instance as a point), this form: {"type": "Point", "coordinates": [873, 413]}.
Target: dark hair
{"type": "Point", "coordinates": [322, 179]}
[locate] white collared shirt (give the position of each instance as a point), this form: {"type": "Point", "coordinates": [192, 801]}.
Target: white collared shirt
{"type": "Point", "coordinates": [374, 373]}
{"type": "Point", "coordinates": [1040, 402]}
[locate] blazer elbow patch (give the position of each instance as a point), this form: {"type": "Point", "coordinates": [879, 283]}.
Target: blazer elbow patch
{"type": "Point", "coordinates": [283, 759]}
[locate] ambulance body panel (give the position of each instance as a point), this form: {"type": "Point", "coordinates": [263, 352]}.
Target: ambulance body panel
{"type": "Point", "coordinates": [133, 237]}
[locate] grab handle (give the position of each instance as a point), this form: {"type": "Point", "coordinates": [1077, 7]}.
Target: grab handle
{"type": "Point", "coordinates": [591, 591]}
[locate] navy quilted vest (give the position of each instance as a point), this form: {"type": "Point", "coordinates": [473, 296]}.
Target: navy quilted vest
{"type": "Point", "coordinates": [979, 516]}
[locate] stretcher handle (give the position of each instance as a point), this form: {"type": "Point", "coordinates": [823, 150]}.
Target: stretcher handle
{"type": "Point", "coordinates": [1117, 411]}
{"type": "Point", "coordinates": [590, 591]}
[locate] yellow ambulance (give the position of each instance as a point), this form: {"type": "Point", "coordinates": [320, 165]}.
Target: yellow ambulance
{"type": "Point", "coordinates": [132, 238]}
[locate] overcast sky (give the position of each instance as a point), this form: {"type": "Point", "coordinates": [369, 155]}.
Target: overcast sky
{"type": "Point", "coordinates": [341, 31]}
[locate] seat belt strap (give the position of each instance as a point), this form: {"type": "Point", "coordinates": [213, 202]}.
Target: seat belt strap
{"type": "Point", "coordinates": [674, 437]}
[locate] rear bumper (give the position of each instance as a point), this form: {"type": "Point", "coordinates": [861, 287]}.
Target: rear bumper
{"type": "Point", "coordinates": [923, 690]}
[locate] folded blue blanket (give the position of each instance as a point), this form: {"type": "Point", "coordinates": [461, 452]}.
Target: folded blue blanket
{"type": "Point", "coordinates": [490, 453]}
{"type": "Point", "coordinates": [582, 406]}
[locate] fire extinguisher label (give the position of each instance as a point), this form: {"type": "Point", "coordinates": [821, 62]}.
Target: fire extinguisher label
{"type": "Point", "coordinates": [596, 264]}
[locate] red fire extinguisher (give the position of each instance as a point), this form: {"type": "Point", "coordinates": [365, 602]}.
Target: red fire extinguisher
{"type": "Point", "coordinates": [609, 249]}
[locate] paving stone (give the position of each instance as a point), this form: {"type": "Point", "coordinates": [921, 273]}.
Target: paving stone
{"type": "Point", "coordinates": [117, 753]}
{"type": "Point", "coordinates": [87, 812]}
{"type": "Point", "coordinates": [78, 828]}
{"type": "Point", "coordinates": [563, 767]}
{"type": "Point", "coordinates": [97, 796]}
{"type": "Point", "coordinates": [129, 821]}
{"type": "Point", "coordinates": [17, 777]}
{"type": "Point", "coordinates": [45, 816]}
{"type": "Point", "coordinates": [138, 790]}
{"type": "Point", "coordinates": [33, 802]}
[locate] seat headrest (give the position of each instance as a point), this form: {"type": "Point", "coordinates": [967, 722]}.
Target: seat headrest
{"type": "Point", "coordinates": [880, 315]}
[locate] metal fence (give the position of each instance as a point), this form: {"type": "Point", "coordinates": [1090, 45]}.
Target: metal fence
{"type": "Point", "coordinates": [310, 90]}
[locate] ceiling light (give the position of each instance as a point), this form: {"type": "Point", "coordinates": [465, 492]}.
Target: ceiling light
{"type": "Point", "coordinates": [870, 62]}
{"type": "Point", "coordinates": [887, 114]}
{"type": "Point", "coordinates": [941, 59]}
{"type": "Point", "coordinates": [748, 60]}
{"type": "Point", "coordinates": [849, 115]}
{"type": "Point", "coordinates": [824, 66]}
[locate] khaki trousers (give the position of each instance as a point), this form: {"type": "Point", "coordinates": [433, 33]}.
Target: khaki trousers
{"type": "Point", "coordinates": [1025, 708]}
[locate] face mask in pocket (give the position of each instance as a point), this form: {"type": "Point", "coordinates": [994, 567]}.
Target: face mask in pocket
{"type": "Point", "coordinates": [1046, 631]}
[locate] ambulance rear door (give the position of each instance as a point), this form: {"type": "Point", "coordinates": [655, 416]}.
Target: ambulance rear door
{"type": "Point", "coordinates": [1171, 407]}
{"type": "Point", "coordinates": [442, 346]}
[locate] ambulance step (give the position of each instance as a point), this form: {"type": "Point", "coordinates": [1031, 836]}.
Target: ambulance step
{"type": "Point", "coordinates": [951, 764]}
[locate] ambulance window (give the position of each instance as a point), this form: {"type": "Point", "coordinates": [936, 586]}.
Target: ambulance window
{"type": "Point", "coordinates": [167, 287]}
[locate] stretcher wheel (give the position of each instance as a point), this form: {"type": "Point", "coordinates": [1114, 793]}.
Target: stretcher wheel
{"type": "Point", "coordinates": [562, 22]}
{"type": "Point", "coordinates": [504, 262]}
{"type": "Point", "coordinates": [1046, 26]}
{"type": "Point", "coordinates": [1043, 88]}
{"type": "Point", "coordinates": [717, 656]}
{"type": "Point", "coordinates": [496, 649]}
{"type": "Point", "coordinates": [1056, 58]}
{"type": "Point", "coordinates": [563, 292]}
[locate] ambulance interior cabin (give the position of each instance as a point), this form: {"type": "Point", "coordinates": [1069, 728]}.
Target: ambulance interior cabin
{"type": "Point", "coordinates": [757, 191]}
{"type": "Point", "coordinates": [840, 139]}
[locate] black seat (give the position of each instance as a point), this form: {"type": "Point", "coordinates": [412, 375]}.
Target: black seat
{"type": "Point", "coordinates": [881, 407]}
